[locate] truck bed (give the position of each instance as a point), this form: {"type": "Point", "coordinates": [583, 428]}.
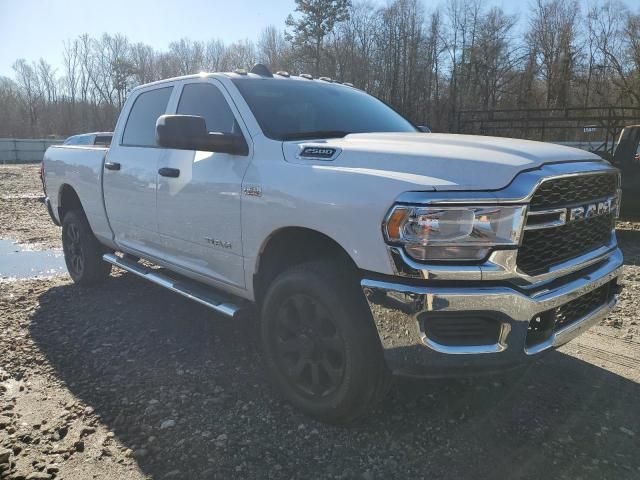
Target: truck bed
{"type": "Point", "coordinates": [80, 166]}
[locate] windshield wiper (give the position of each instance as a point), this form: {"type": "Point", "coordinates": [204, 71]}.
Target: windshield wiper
{"type": "Point", "coordinates": [315, 134]}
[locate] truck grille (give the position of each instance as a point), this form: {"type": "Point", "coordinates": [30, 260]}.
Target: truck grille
{"type": "Point", "coordinates": [568, 191]}
{"type": "Point", "coordinates": [544, 324]}
{"type": "Point", "coordinates": [544, 248]}
{"type": "Point", "coordinates": [568, 313]}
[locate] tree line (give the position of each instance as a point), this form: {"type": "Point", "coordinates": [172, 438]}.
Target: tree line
{"type": "Point", "coordinates": [428, 63]}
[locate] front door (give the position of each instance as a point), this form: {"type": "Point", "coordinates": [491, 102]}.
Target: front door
{"type": "Point", "coordinates": [130, 174]}
{"type": "Point", "coordinates": [199, 209]}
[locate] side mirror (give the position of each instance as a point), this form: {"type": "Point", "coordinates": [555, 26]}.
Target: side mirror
{"type": "Point", "coordinates": [189, 132]}
{"type": "Point", "coordinates": [424, 129]}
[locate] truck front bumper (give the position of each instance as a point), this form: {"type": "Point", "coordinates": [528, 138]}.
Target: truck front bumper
{"type": "Point", "coordinates": [439, 329]}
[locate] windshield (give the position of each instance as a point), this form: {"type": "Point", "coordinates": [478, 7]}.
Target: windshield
{"type": "Point", "coordinates": [298, 110]}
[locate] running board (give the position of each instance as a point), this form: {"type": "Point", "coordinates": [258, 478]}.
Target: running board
{"type": "Point", "coordinates": [185, 287]}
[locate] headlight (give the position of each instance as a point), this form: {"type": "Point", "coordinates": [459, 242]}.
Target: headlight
{"type": "Point", "coordinates": [454, 233]}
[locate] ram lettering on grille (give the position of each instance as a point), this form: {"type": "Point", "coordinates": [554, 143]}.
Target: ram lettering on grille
{"type": "Point", "coordinates": [569, 217]}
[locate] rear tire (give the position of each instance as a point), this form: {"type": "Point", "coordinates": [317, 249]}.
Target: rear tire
{"type": "Point", "coordinates": [82, 251]}
{"type": "Point", "coordinates": [319, 342]}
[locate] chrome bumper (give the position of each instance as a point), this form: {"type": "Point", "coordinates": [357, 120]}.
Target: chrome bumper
{"type": "Point", "coordinates": [408, 350]}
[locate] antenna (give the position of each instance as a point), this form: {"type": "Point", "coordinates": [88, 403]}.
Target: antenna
{"type": "Point", "coordinates": [262, 70]}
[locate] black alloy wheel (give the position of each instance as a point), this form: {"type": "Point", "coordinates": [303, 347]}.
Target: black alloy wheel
{"type": "Point", "coordinates": [319, 343]}
{"type": "Point", "coordinates": [82, 251]}
{"type": "Point", "coordinates": [73, 253]}
{"type": "Point", "coordinates": [309, 348]}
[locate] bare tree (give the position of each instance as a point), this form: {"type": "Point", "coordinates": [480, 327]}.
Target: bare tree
{"type": "Point", "coordinates": [71, 63]}
{"type": "Point", "coordinates": [240, 54]}
{"type": "Point", "coordinates": [189, 55]}
{"type": "Point", "coordinates": [615, 32]}
{"type": "Point", "coordinates": [48, 81]}
{"type": "Point", "coordinates": [10, 98]}
{"type": "Point", "coordinates": [493, 59]}
{"type": "Point", "coordinates": [552, 30]}
{"type": "Point", "coordinates": [354, 45]}
{"type": "Point", "coordinates": [144, 63]}
{"type": "Point", "coordinates": [427, 62]}
{"type": "Point", "coordinates": [29, 85]}
{"type": "Point", "coordinates": [272, 48]}
{"type": "Point", "coordinates": [214, 55]}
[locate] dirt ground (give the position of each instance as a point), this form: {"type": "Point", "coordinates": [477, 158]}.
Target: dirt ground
{"type": "Point", "coordinates": [23, 217]}
{"type": "Point", "coordinates": [128, 381]}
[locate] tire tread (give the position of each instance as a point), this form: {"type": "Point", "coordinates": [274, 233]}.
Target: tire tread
{"type": "Point", "coordinates": [95, 270]}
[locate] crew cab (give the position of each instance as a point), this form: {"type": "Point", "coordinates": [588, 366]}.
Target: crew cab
{"type": "Point", "coordinates": [364, 246]}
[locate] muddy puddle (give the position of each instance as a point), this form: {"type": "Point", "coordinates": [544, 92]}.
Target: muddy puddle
{"type": "Point", "coordinates": [18, 262]}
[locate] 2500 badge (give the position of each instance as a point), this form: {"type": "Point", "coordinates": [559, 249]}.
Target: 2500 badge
{"type": "Point", "coordinates": [323, 153]}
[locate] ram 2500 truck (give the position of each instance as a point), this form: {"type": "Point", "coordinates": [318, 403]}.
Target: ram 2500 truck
{"type": "Point", "coordinates": [364, 246]}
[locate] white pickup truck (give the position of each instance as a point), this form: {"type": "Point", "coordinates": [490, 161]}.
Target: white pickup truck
{"type": "Point", "coordinates": [366, 246]}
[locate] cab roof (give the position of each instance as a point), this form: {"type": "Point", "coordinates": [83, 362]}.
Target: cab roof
{"type": "Point", "coordinates": [263, 74]}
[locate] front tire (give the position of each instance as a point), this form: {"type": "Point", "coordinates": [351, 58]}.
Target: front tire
{"type": "Point", "coordinates": [82, 251]}
{"type": "Point", "coordinates": [320, 346]}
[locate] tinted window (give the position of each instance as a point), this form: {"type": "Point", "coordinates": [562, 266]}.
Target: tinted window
{"type": "Point", "coordinates": [205, 100]}
{"type": "Point", "coordinates": [140, 129]}
{"type": "Point", "coordinates": [296, 109]}
{"type": "Point", "coordinates": [102, 140]}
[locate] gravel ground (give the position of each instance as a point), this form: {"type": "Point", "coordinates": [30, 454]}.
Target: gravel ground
{"type": "Point", "coordinates": [23, 217]}
{"type": "Point", "coordinates": [128, 381]}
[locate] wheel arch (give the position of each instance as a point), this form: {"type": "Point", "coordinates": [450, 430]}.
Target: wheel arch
{"type": "Point", "coordinates": [290, 246]}
{"type": "Point", "coordinates": [68, 200]}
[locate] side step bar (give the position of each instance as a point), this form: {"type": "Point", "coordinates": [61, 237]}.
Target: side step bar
{"type": "Point", "coordinates": [185, 287]}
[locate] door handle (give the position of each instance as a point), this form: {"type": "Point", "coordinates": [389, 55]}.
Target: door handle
{"type": "Point", "coordinates": [169, 172]}
{"type": "Point", "coordinates": [112, 165]}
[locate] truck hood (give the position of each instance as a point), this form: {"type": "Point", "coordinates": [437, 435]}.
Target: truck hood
{"type": "Point", "coordinates": [430, 161]}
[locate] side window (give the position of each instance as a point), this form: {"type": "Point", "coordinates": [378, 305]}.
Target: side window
{"type": "Point", "coordinates": [104, 140]}
{"type": "Point", "coordinates": [205, 100]}
{"type": "Point", "coordinates": [140, 130]}
{"type": "Point", "coordinates": [78, 140]}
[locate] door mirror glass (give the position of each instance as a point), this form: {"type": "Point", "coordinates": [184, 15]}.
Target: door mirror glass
{"type": "Point", "coordinates": [189, 132]}
{"type": "Point", "coordinates": [424, 129]}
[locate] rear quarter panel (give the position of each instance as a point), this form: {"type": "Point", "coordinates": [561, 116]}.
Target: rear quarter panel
{"type": "Point", "coordinates": [80, 167]}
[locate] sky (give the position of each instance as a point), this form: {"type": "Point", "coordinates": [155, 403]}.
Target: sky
{"type": "Point", "coordinates": [32, 29]}
{"type": "Point", "coordinates": [37, 28]}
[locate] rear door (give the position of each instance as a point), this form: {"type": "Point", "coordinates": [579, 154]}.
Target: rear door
{"type": "Point", "coordinates": [131, 170]}
{"type": "Point", "coordinates": [199, 210]}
